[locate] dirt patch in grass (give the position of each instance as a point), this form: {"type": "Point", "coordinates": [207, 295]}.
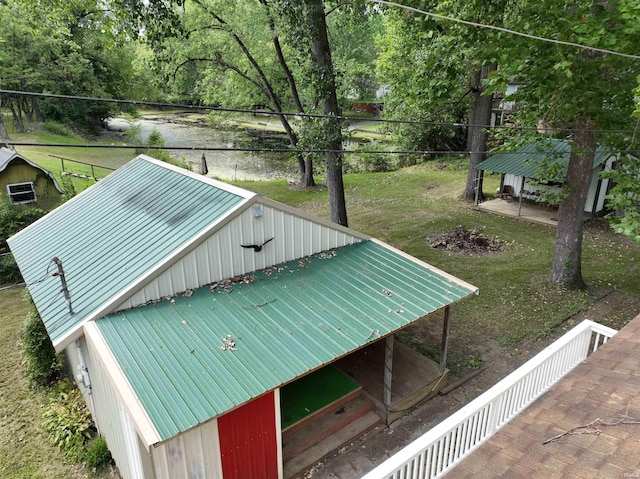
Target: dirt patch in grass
{"type": "Point", "coordinates": [465, 241]}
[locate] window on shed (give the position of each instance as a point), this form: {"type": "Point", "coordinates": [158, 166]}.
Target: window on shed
{"type": "Point", "coordinates": [21, 193]}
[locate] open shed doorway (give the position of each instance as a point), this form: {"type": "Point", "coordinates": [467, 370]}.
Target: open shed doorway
{"type": "Point", "coordinates": [320, 412]}
{"type": "Point", "coordinates": [416, 378]}
{"type": "Point", "coordinates": [334, 405]}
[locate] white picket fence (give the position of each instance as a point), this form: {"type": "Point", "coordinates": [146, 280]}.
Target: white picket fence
{"type": "Point", "coordinates": [441, 448]}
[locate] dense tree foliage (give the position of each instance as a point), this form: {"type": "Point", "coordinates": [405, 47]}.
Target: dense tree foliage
{"type": "Point", "coordinates": [588, 92]}
{"type": "Point", "coordinates": [67, 48]}
{"type": "Point", "coordinates": [247, 54]}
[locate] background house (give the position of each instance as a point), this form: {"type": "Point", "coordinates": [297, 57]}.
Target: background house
{"type": "Point", "coordinates": [540, 167]}
{"type": "Point", "coordinates": [192, 309]}
{"type": "Point", "coordinates": [23, 182]}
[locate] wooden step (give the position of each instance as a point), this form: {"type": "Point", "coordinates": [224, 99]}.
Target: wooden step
{"type": "Point", "coordinates": [304, 460]}
{"type": "Point", "coordinates": [319, 426]}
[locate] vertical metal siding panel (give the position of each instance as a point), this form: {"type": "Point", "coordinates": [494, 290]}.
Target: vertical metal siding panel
{"type": "Point", "coordinates": [108, 417]}
{"type": "Point", "coordinates": [248, 442]}
{"type": "Point", "coordinates": [191, 273]}
{"type": "Point", "coordinates": [278, 419]}
{"type": "Point", "coordinates": [307, 238]}
{"type": "Point", "coordinates": [192, 455]}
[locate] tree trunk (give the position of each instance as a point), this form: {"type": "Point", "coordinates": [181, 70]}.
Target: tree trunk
{"type": "Point", "coordinates": [566, 267]}
{"type": "Point", "coordinates": [305, 162]}
{"type": "Point", "coordinates": [18, 123]}
{"type": "Point", "coordinates": [326, 91]}
{"type": "Point", "coordinates": [479, 122]}
{"type": "Point", "coordinates": [3, 131]}
{"type": "Point", "coordinates": [306, 175]}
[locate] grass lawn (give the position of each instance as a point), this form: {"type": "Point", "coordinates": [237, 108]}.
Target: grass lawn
{"type": "Point", "coordinates": [109, 158]}
{"type": "Point", "coordinates": [25, 452]}
{"type": "Point", "coordinates": [515, 303]}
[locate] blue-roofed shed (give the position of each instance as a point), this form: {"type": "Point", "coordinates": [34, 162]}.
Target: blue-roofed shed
{"type": "Point", "coordinates": [192, 309]}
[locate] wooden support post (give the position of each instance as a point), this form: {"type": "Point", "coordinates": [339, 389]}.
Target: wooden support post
{"type": "Point", "coordinates": [388, 368]}
{"type": "Point", "coordinates": [445, 340]}
{"type": "Point", "coordinates": [520, 196]}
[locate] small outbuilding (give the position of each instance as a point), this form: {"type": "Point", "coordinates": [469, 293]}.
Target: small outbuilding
{"type": "Point", "coordinates": [23, 182]}
{"type": "Point", "coordinates": [537, 168]}
{"type": "Point", "coordinates": [206, 325]}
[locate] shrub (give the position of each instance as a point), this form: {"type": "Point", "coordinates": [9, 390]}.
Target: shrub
{"type": "Point", "coordinates": [13, 220]}
{"type": "Point", "coordinates": [155, 138]}
{"type": "Point", "coordinates": [371, 162]}
{"type": "Point", "coordinates": [68, 421]}
{"type": "Point", "coordinates": [9, 271]}
{"type": "Point", "coordinates": [68, 187]}
{"type": "Point", "coordinates": [37, 350]}
{"type": "Point", "coordinates": [56, 128]}
{"type": "Point", "coordinates": [97, 455]}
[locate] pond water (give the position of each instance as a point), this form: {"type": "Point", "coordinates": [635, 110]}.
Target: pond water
{"type": "Point", "coordinates": [191, 130]}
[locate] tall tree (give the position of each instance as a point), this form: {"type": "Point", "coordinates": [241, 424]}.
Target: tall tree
{"type": "Point", "coordinates": [442, 76]}
{"type": "Point", "coordinates": [586, 91]}
{"type": "Point", "coordinates": [223, 53]}
{"type": "Point", "coordinates": [65, 48]}
{"type": "Point", "coordinates": [325, 87]}
{"type": "Point", "coordinates": [478, 131]}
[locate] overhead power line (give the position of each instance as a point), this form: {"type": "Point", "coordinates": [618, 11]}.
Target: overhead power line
{"type": "Point", "coordinates": [278, 150]}
{"type": "Point", "coordinates": [218, 108]}
{"type": "Point", "coordinates": [293, 114]}
{"type": "Point", "coordinates": [506, 30]}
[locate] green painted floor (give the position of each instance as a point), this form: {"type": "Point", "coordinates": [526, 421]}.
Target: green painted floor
{"type": "Point", "coordinates": [313, 392]}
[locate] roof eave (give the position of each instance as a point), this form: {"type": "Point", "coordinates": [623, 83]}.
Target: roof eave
{"type": "Point", "coordinates": [472, 289]}
{"type": "Point", "coordinates": [121, 386]}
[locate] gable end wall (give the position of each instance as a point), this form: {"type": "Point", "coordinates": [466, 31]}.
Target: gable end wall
{"type": "Point", "coordinates": [221, 256]}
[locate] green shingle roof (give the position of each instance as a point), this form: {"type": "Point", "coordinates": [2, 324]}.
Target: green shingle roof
{"type": "Point", "coordinates": [285, 321]}
{"type": "Point", "coordinates": [103, 235]}
{"type": "Point", "coordinates": [526, 160]}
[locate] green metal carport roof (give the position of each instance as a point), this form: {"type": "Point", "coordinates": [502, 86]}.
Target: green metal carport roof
{"type": "Point", "coordinates": [526, 160]}
{"type": "Point", "coordinates": [284, 321]}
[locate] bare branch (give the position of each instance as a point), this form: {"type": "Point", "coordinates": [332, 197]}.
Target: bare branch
{"type": "Point", "coordinates": [592, 428]}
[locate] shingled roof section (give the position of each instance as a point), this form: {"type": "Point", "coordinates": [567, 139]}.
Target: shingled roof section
{"type": "Point", "coordinates": [606, 387]}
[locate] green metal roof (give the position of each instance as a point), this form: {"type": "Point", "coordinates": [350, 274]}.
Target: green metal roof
{"type": "Point", "coordinates": [285, 321]}
{"type": "Point", "coordinates": [526, 160]}
{"type": "Point", "coordinates": [102, 237]}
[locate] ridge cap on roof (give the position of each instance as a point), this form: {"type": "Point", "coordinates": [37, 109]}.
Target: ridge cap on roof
{"type": "Point", "coordinates": [236, 190]}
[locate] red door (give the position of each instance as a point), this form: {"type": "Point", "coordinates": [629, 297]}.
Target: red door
{"type": "Point", "coordinates": [248, 445]}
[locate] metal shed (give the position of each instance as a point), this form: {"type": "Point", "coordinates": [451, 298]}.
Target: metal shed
{"type": "Point", "coordinates": [191, 305]}
{"type": "Point", "coordinates": [524, 171]}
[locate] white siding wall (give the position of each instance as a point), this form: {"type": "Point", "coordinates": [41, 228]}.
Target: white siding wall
{"type": "Point", "coordinates": [515, 182]}
{"type": "Point", "coordinates": [114, 424]}
{"type": "Point", "coordinates": [593, 188]}
{"type": "Point", "coordinates": [192, 455]}
{"type": "Point", "coordinates": [221, 256]}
